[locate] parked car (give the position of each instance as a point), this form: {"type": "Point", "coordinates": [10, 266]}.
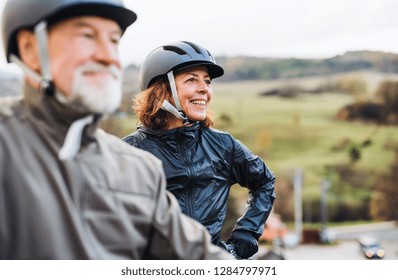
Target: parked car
{"type": "Point", "coordinates": [371, 247]}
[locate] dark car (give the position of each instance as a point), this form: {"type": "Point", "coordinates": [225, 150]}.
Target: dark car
{"type": "Point", "coordinates": [371, 247]}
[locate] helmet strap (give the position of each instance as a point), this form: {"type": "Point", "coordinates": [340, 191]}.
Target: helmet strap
{"type": "Point", "coordinates": [42, 38]}
{"type": "Point", "coordinates": [45, 86]}
{"type": "Point", "coordinates": [45, 78]}
{"type": "Point", "coordinates": [28, 72]}
{"type": "Point", "coordinates": [167, 106]}
{"type": "Point", "coordinates": [173, 87]}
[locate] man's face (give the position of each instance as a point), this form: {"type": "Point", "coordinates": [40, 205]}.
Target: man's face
{"type": "Point", "coordinates": [85, 64]}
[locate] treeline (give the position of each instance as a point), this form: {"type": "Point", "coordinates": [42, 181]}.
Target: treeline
{"type": "Point", "coordinates": [254, 68]}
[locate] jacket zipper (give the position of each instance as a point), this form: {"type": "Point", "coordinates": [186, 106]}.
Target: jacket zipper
{"type": "Point", "coordinates": [189, 191]}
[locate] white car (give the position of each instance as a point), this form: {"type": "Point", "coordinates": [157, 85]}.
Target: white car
{"type": "Point", "coordinates": [371, 247]}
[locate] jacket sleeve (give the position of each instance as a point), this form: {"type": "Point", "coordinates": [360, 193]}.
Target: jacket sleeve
{"type": "Point", "coordinates": [250, 171]}
{"type": "Point", "coordinates": [176, 236]}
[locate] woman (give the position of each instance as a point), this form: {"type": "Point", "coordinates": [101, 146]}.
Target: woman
{"type": "Point", "coordinates": [201, 163]}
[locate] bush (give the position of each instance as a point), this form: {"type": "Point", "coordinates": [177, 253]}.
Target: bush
{"type": "Point", "coordinates": [367, 112]}
{"type": "Point", "coordinates": [383, 110]}
{"type": "Point", "coordinates": [383, 204]}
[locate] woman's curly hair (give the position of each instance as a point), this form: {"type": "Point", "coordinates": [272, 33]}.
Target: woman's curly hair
{"type": "Point", "coordinates": [148, 103]}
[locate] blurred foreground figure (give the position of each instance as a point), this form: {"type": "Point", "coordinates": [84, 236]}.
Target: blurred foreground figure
{"type": "Point", "coordinates": [68, 190]}
{"type": "Point", "coordinates": [201, 163]}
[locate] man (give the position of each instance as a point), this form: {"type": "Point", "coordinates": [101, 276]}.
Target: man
{"type": "Point", "coordinates": [68, 190]}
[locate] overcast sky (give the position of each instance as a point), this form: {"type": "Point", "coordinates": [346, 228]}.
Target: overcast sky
{"type": "Point", "coordinates": [272, 28]}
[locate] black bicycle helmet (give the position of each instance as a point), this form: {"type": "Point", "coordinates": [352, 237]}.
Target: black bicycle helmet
{"type": "Point", "coordinates": [21, 14]}
{"type": "Point", "coordinates": [173, 57]}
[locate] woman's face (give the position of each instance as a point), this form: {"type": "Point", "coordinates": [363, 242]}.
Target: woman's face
{"type": "Point", "coordinates": [194, 91]}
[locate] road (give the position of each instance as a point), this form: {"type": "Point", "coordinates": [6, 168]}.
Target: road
{"type": "Point", "coordinates": [346, 246]}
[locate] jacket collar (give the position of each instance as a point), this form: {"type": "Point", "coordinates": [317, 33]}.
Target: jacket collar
{"type": "Point", "coordinates": [184, 135]}
{"type": "Point", "coordinates": [183, 130]}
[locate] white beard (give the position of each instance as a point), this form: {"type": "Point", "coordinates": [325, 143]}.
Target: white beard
{"type": "Point", "coordinates": [102, 97]}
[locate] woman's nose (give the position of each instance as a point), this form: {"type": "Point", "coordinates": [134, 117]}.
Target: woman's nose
{"type": "Point", "coordinates": [203, 86]}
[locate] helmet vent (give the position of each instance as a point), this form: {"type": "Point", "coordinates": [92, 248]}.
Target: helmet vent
{"type": "Point", "coordinates": [174, 49]}
{"type": "Point", "coordinates": [195, 47]}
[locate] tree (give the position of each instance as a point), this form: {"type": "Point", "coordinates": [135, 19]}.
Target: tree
{"type": "Point", "coordinates": [387, 93]}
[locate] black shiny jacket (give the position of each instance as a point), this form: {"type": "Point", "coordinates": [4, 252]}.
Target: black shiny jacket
{"type": "Point", "coordinates": [201, 164]}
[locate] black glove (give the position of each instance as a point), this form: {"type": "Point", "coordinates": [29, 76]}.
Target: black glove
{"type": "Point", "coordinates": [244, 242]}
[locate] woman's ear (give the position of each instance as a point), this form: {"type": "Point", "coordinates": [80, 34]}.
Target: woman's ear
{"type": "Point", "coordinates": [28, 49]}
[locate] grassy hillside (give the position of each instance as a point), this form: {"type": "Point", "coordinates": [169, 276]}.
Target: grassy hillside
{"type": "Point", "coordinates": [299, 132]}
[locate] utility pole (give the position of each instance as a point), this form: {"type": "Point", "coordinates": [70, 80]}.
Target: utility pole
{"type": "Point", "coordinates": [298, 216]}
{"type": "Point", "coordinates": [325, 185]}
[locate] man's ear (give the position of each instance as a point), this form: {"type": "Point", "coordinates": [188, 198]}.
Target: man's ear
{"type": "Point", "coordinates": [28, 49]}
